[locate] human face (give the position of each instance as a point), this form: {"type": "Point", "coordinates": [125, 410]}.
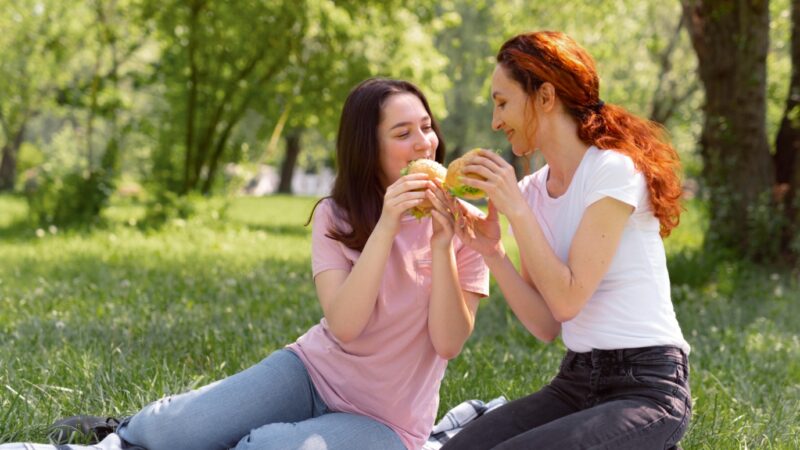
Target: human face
{"type": "Point", "coordinates": [405, 133]}
{"type": "Point", "coordinates": [512, 106]}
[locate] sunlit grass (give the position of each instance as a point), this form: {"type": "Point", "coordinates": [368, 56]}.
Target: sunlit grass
{"type": "Point", "coordinates": [104, 321]}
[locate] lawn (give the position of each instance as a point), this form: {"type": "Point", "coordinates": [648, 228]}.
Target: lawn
{"type": "Point", "coordinates": [104, 321]}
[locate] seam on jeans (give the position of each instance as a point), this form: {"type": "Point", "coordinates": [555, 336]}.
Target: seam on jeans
{"type": "Point", "coordinates": [684, 422]}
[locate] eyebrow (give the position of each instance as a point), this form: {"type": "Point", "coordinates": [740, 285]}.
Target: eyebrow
{"type": "Point", "coordinates": [407, 123]}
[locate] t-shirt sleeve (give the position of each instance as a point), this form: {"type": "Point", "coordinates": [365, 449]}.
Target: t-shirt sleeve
{"type": "Point", "coordinates": [326, 253]}
{"type": "Point", "coordinates": [615, 176]}
{"type": "Point", "coordinates": [473, 274]}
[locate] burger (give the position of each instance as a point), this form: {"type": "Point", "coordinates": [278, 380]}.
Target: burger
{"type": "Point", "coordinates": [435, 171]}
{"type": "Point", "coordinates": [455, 172]}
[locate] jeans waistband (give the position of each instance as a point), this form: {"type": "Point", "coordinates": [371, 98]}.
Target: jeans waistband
{"type": "Point", "coordinates": [597, 357]}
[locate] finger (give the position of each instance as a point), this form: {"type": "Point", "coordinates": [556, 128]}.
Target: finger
{"type": "Point", "coordinates": [476, 183]}
{"type": "Point", "coordinates": [437, 202]}
{"type": "Point", "coordinates": [479, 169]}
{"type": "Point", "coordinates": [442, 219]}
{"type": "Point", "coordinates": [415, 184]}
{"type": "Point", "coordinates": [492, 212]}
{"type": "Point", "coordinates": [407, 196]}
{"type": "Point", "coordinates": [496, 159]}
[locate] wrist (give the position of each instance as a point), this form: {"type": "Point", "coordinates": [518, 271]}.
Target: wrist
{"type": "Point", "coordinates": [496, 255]}
{"type": "Point", "coordinates": [384, 228]}
{"type": "Point", "coordinates": [442, 247]}
{"type": "Point", "coordinates": [518, 216]}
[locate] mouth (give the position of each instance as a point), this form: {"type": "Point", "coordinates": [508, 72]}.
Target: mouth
{"type": "Point", "coordinates": [509, 134]}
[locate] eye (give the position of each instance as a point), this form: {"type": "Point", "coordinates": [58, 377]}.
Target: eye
{"type": "Point", "coordinates": [427, 127]}
{"type": "Point", "coordinates": [403, 135]}
{"type": "Point", "coordinates": [501, 105]}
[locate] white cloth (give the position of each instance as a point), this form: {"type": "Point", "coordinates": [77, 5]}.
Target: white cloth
{"type": "Point", "coordinates": [457, 418]}
{"type": "Point", "coordinates": [632, 306]}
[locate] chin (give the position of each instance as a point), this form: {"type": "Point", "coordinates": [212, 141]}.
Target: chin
{"type": "Point", "coordinates": [523, 152]}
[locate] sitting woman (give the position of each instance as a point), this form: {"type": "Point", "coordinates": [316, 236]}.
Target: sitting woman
{"type": "Point", "coordinates": [589, 227]}
{"type": "Point", "coordinates": [399, 296]}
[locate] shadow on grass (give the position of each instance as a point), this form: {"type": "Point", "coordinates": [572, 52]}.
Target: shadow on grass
{"type": "Point", "coordinates": [284, 229]}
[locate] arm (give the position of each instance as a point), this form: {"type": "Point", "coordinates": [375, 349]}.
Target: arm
{"type": "Point", "coordinates": [483, 234]}
{"type": "Point", "coordinates": [348, 298]}
{"type": "Point", "coordinates": [567, 287]}
{"type": "Point", "coordinates": [451, 314]}
{"type": "Point", "coordinates": [564, 287]}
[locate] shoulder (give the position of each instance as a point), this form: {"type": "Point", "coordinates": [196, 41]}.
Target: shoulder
{"type": "Point", "coordinates": [327, 212]}
{"type": "Point", "coordinates": [610, 161]}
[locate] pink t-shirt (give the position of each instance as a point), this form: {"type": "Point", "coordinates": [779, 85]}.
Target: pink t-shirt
{"type": "Point", "coordinates": [391, 372]}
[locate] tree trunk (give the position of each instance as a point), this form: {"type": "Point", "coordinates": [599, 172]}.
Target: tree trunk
{"type": "Point", "coordinates": [787, 149]}
{"type": "Point", "coordinates": [8, 165]}
{"type": "Point", "coordinates": [189, 180]}
{"type": "Point", "coordinates": [731, 39]}
{"type": "Point", "coordinates": [289, 161]}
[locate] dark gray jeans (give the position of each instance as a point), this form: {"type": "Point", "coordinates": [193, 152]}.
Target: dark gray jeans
{"type": "Point", "coordinates": [634, 398]}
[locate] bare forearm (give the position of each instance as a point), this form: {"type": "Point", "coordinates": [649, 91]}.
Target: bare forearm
{"type": "Point", "coordinates": [450, 320]}
{"type": "Point", "coordinates": [553, 278]}
{"type": "Point", "coordinates": [350, 309]}
{"type": "Point", "coordinates": [526, 302]}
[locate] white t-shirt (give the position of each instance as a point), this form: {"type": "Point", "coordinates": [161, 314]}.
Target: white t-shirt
{"type": "Point", "coordinates": [632, 306]}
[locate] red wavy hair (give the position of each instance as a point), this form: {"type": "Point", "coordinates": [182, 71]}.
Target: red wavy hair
{"type": "Point", "coordinates": [532, 59]}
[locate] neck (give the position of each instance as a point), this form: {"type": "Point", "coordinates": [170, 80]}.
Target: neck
{"type": "Point", "coordinates": [564, 152]}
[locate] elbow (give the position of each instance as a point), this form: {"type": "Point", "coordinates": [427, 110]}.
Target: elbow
{"type": "Point", "coordinates": [548, 336]}
{"type": "Point", "coordinates": [343, 334]}
{"type": "Point", "coordinates": [564, 315]}
{"type": "Point", "coordinates": [448, 353]}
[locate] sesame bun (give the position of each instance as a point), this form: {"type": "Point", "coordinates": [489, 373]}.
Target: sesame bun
{"type": "Point", "coordinates": [455, 173]}
{"type": "Point", "coordinates": [435, 171]}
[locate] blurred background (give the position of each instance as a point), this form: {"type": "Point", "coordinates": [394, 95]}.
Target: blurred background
{"type": "Point", "coordinates": [154, 102]}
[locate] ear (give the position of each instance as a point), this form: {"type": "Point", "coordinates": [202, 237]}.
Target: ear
{"type": "Point", "coordinates": [546, 97]}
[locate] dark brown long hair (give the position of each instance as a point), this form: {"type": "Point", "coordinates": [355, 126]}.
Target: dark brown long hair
{"type": "Point", "coordinates": [357, 189]}
{"type": "Point", "coordinates": [532, 59]}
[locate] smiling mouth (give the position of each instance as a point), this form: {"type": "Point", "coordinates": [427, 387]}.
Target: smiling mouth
{"type": "Point", "coordinates": [509, 134]}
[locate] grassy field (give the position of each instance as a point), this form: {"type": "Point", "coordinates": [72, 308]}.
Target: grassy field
{"type": "Point", "coordinates": [105, 321]}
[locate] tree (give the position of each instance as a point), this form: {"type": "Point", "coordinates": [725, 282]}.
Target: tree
{"type": "Point", "coordinates": [731, 41]}
{"type": "Point", "coordinates": [787, 148]}
{"type": "Point", "coordinates": [216, 62]}
{"type": "Point", "coordinates": [34, 45]}
{"type": "Point", "coordinates": [347, 44]}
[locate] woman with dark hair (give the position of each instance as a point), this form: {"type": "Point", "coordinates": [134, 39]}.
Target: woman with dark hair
{"type": "Point", "coordinates": [399, 297]}
{"type": "Point", "coordinates": [589, 226]}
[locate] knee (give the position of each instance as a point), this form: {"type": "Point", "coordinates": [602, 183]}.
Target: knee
{"type": "Point", "coordinates": [282, 435]}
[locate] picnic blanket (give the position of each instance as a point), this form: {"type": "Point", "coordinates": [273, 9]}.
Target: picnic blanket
{"type": "Point", "coordinates": [457, 418]}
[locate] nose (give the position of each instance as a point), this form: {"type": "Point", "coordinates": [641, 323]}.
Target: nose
{"type": "Point", "coordinates": [423, 141]}
{"type": "Point", "coordinates": [497, 123]}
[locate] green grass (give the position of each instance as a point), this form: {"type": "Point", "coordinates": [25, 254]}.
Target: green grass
{"type": "Point", "coordinates": [108, 320]}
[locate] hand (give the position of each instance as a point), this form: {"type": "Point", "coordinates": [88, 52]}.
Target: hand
{"type": "Point", "coordinates": [501, 182]}
{"type": "Point", "coordinates": [405, 193]}
{"type": "Point", "coordinates": [481, 233]}
{"type": "Point", "coordinates": [443, 220]}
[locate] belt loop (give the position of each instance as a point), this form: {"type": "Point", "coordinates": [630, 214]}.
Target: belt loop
{"type": "Point", "coordinates": [620, 355]}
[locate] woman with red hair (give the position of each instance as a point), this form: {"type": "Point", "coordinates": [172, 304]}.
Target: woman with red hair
{"type": "Point", "coordinates": [589, 226]}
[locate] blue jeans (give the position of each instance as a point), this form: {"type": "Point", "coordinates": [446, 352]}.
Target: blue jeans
{"type": "Point", "coordinates": [630, 399]}
{"type": "Point", "coordinates": [272, 405]}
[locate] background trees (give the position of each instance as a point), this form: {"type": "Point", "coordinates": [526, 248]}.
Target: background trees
{"type": "Point", "coordinates": [167, 94]}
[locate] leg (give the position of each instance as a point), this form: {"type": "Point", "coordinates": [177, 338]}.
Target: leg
{"type": "Point", "coordinates": [644, 402]}
{"type": "Point", "coordinates": [217, 416]}
{"type": "Point", "coordinates": [635, 424]}
{"type": "Point", "coordinates": [111, 442]}
{"type": "Point", "coordinates": [332, 431]}
{"type": "Point", "coordinates": [512, 419]}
